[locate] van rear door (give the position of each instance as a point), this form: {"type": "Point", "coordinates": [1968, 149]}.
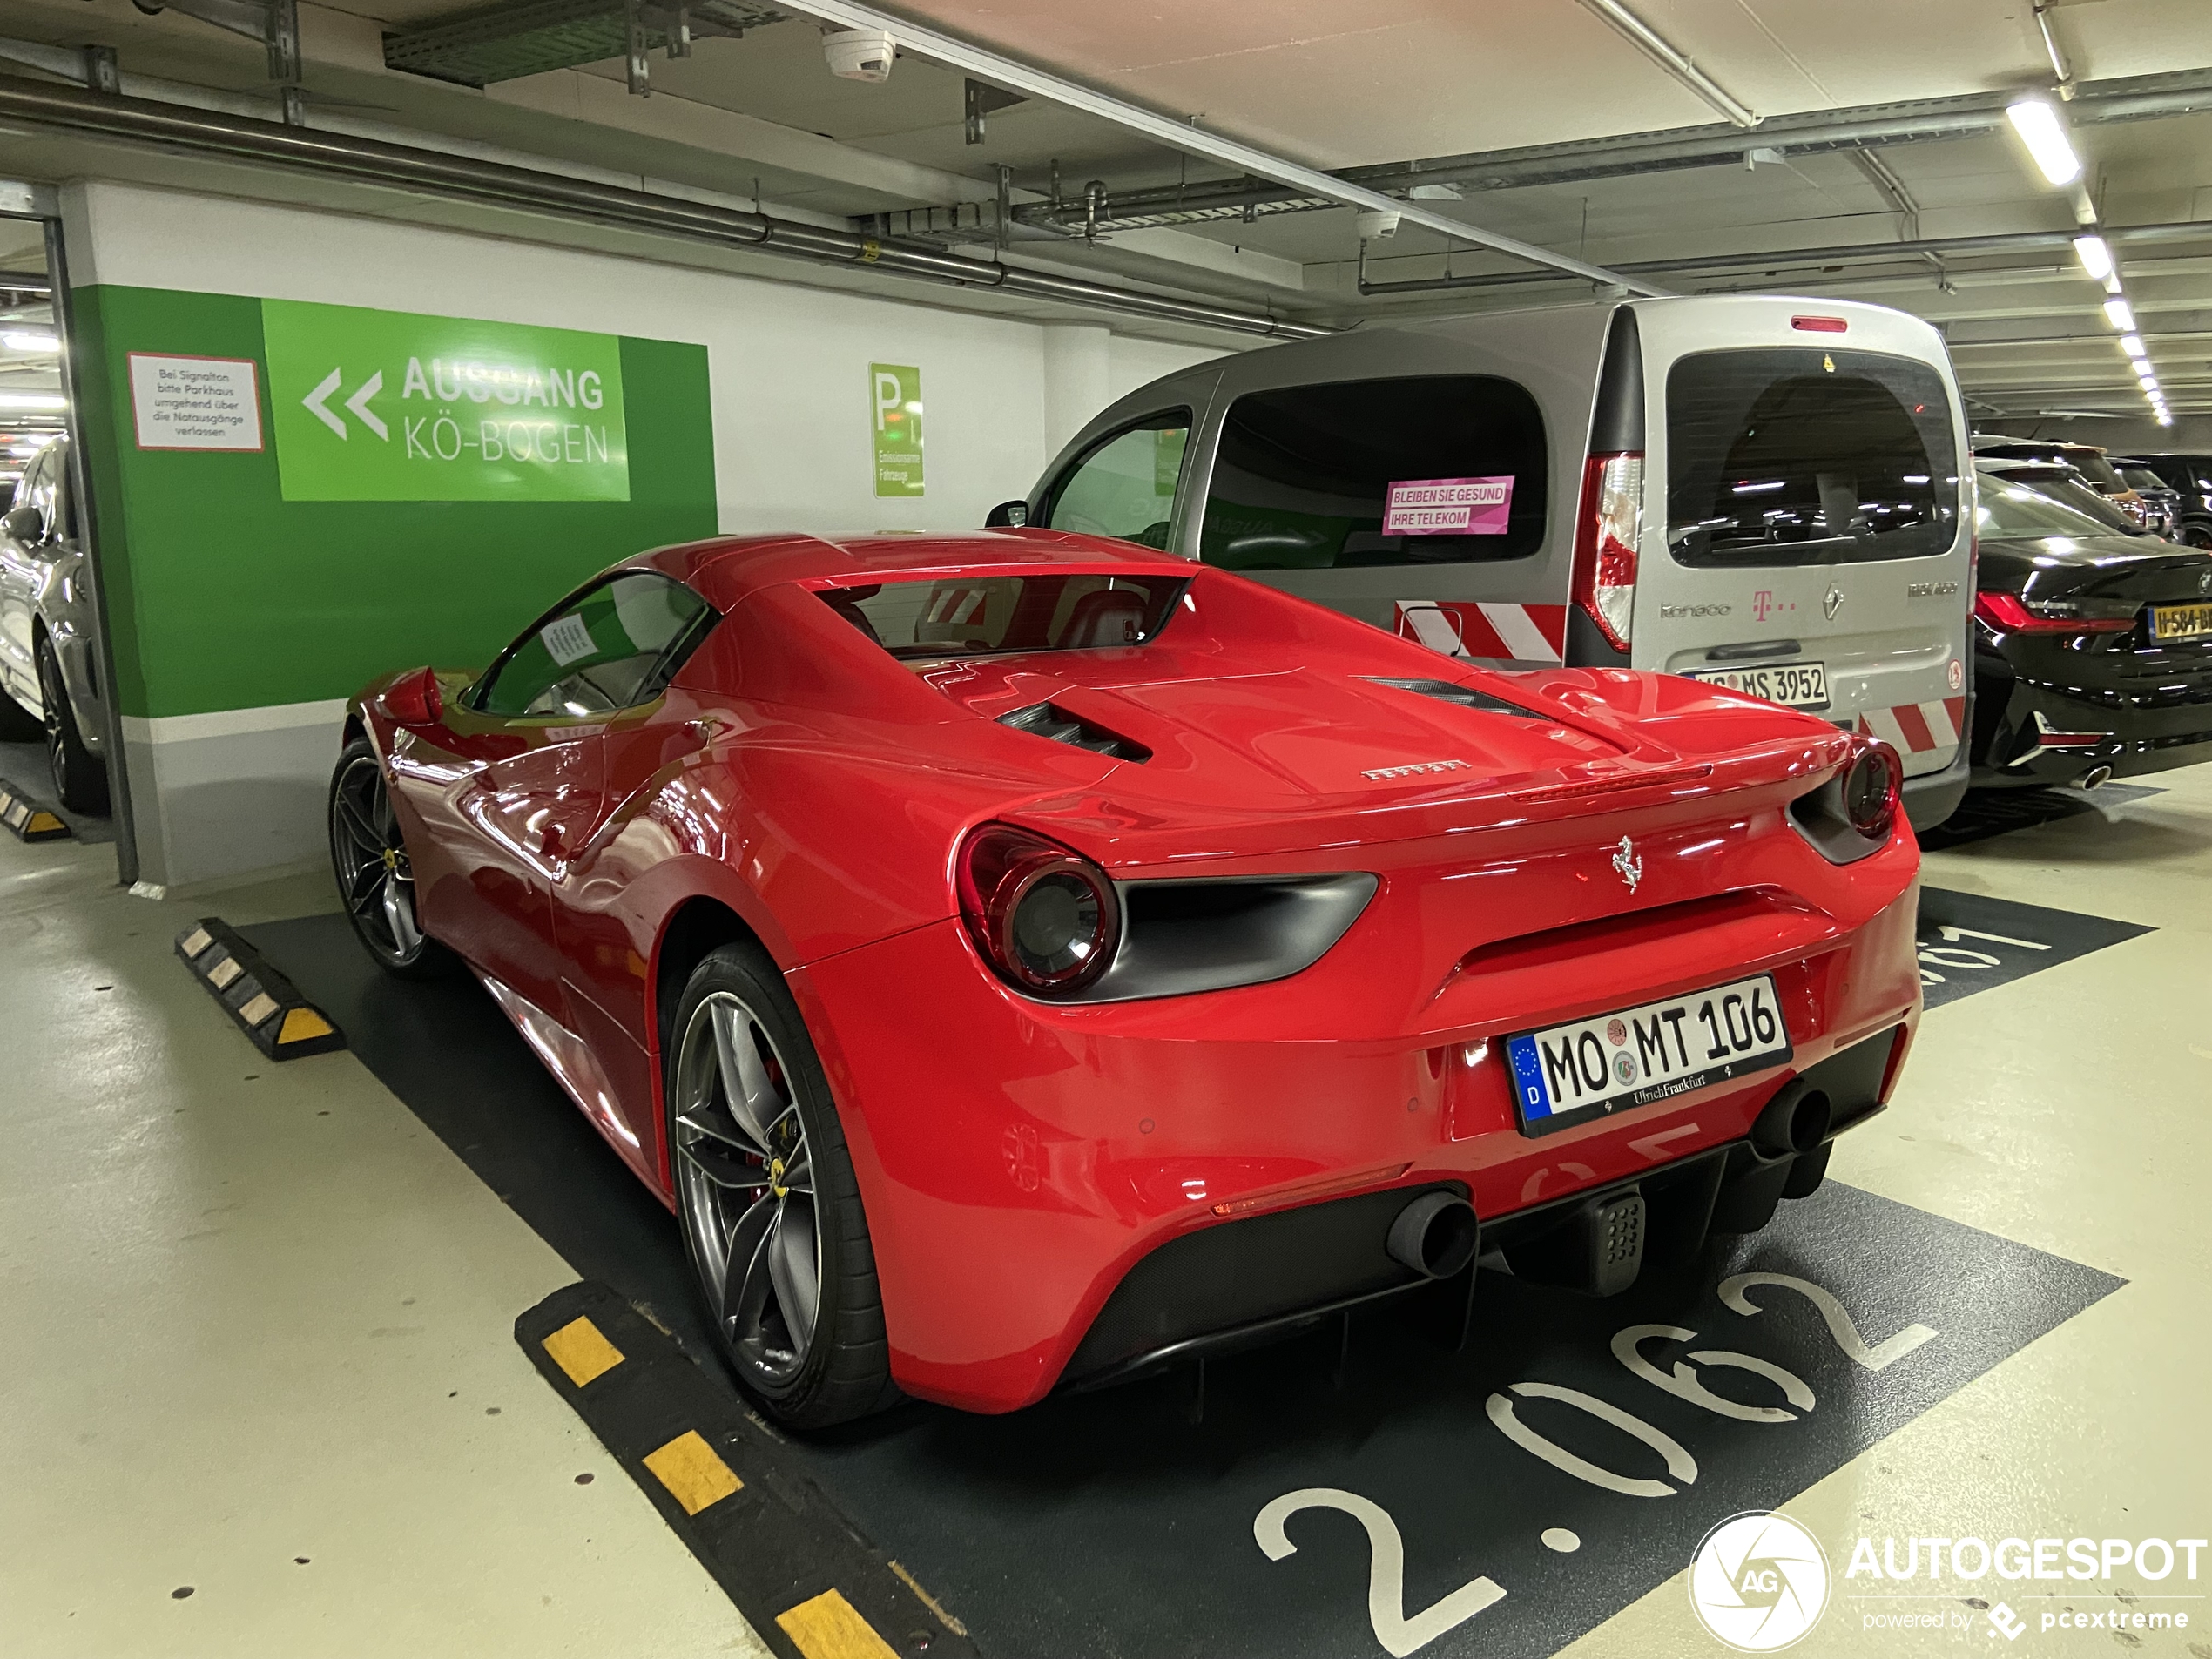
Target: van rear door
{"type": "Point", "coordinates": [1808, 530]}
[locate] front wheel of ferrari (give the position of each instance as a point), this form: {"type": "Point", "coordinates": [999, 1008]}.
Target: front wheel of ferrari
{"type": "Point", "coordinates": [375, 878]}
{"type": "Point", "coordinates": [770, 1210]}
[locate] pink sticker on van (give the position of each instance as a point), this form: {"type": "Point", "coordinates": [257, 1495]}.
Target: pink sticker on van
{"type": "Point", "coordinates": [1448, 506]}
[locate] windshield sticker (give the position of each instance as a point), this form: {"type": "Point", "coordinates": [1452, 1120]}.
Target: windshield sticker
{"type": "Point", "coordinates": [1448, 506]}
{"type": "Point", "coordinates": [567, 641]}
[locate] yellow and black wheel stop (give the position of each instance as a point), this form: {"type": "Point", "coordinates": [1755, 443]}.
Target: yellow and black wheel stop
{"type": "Point", "coordinates": [283, 1024]}
{"type": "Point", "coordinates": [30, 821]}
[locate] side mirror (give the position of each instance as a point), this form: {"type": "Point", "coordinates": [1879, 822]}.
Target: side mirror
{"type": "Point", "coordinates": [1007, 516]}
{"type": "Point", "coordinates": [24, 524]}
{"type": "Point", "coordinates": [414, 698]}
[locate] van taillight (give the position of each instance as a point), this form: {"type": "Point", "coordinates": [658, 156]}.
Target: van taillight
{"type": "Point", "coordinates": [1605, 542]}
{"type": "Point", "coordinates": [1821, 325]}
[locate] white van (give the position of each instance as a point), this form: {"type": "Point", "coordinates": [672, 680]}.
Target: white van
{"type": "Point", "coordinates": [1765, 492]}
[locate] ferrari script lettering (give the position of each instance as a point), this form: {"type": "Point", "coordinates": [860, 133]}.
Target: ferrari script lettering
{"type": "Point", "coordinates": [1381, 772]}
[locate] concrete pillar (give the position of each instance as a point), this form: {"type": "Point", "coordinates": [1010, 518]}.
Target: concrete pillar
{"type": "Point", "coordinates": [1076, 380]}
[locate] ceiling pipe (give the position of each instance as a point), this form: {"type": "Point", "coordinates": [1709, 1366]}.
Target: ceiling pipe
{"type": "Point", "coordinates": [1674, 150]}
{"type": "Point", "coordinates": [1856, 253]}
{"type": "Point", "coordinates": [2059, 65]}
{"type": "Point", "coordinates": [207, 132]}
{"type": "Point", "coordinates": [1016, 76]}
{"type": "Point", "coordinates": [1652, 45]}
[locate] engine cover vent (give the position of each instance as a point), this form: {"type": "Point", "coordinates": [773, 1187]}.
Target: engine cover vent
{"type": "Point", "coordinates": [1049, 720]}
{"type": "Point", "coordinates": [1466, 696]}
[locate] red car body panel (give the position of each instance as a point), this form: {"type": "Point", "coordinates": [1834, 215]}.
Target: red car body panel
{"type": "Point", "coordinates": [1016, 1157]}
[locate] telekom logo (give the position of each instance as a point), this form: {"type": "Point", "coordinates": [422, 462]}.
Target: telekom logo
{"type": "Point", "coordinates": [1763, 605]}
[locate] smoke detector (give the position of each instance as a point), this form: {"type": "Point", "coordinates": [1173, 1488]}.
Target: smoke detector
{"type": "Point", "coordinates": [859, 54]}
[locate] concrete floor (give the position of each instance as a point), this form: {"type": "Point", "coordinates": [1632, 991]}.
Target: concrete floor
{"type": "Point", "coordinates": [261, 1396]}
{"type": "Point", "coordinates": [256, 1314]}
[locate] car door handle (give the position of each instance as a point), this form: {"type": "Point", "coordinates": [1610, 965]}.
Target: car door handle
{"type": "Point", "coordinates": [1764, 648]}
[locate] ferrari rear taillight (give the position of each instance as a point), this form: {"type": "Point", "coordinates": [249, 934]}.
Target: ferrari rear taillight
{"type": "Point", "coordinates": [1047, 919]}
{"type": "Point", "coordinates": [1873, 785]}
{"type": "Point", "coordinates": [1606, 536]}
{"type": "Point", "coordinates": [2008, 614]}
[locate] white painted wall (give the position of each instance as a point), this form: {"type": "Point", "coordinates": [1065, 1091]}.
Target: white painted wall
{"type": "Point", "coordinates": [789, 363]}
{"type": "Point", "coordinates": [223, 794]}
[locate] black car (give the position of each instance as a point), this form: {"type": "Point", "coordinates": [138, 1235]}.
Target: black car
{"type": "Point", "coordinates": [2093, 651]}
{"type": "Point", "coordinates": [2161, 497]}
{"type": "Point", "coordinates": [2089, 464]}
{"type": "Point", "coordinates": [2190, 478]}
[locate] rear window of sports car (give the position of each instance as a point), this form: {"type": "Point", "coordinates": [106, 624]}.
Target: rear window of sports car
{"type": "Point", "coordinates": [973, 616]}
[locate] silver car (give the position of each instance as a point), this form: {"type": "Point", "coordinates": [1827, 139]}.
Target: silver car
{"type": "Point", "coordinates": [1765, 493]}
{"type": "Point", "coordinates": [49, 677]}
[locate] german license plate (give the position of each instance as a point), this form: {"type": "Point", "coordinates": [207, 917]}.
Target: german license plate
{"type": "Point", "coordinates": [1567, 1074]}
{"type": "Point", "coordinates": [2181, 622]}
{"type": "Point", "coordinates": [1798, 685]}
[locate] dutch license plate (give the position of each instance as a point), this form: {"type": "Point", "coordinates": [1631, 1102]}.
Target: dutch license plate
{"type": "Point", "coordinates": [1569, 1072]}
{"type": "Point", "coordinates": [1798, 685]}
{"type": "Point", "coordinates": [2181, 622]}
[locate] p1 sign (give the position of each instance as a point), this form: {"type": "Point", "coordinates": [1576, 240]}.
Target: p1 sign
{"type": "Point", "coordinates": [895, 392]}
{"type": "Point", "coordinates": [392, 405]}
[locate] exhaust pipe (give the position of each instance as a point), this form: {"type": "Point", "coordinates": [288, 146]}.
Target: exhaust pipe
{"type": "Point", "coordinates": [1794, 1122]}
{"type": "Point", "coordinates": [1435, 1235]}
{"type": "Point", "coordinates": [2096, 775]}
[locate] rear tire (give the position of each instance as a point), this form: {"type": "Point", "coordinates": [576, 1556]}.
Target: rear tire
{"type": "Point", "coordinates": [770, 1208]}
{"type": "Point", "coordinates": [80, 776]}
{"type": "Point", "coordinates": [375, 878]}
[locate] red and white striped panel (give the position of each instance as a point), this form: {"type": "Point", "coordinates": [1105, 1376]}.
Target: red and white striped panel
{"type": "Point", "coordinates": [1473, 628]}
{"type": "Point", "coordinates": [1917, 728]}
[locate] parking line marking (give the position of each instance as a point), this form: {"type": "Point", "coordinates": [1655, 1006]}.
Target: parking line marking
{"type": "Point", "coordinates": [581, 1351]}
{"type": "Point", "coordinates": [694, 1474]}
{"type": "Point", "coordinates": [829, 1627]}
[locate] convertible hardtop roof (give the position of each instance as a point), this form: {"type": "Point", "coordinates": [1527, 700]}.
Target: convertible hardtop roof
{"type": "Point", "coordinates": [723, 571]}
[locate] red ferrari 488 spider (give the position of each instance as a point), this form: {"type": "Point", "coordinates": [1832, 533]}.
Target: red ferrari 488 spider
{"type": "Point", "coordinates": [1024, 959]}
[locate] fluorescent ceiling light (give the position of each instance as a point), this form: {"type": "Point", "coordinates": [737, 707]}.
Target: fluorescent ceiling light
{"type": "Point", "coordinates": [32, 400]}
{"type": "Point", "coordinates": [2044, 134]}
{"type": "Point", "coordinates": [2143, 369]}
{"type": "Point", "coordinates": [2117, 312]}
{"type": "Point", "coordinates": [15, 342]}
{"type": "Point", "coordinates": [2165, 419]}
{"type": "Point", "coordinates": [2095, 256]}
{"type": "Point", "coordinates": [2132, 344]}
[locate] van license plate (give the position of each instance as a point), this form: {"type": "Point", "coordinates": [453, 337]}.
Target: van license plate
{"type": "Point", "coordinates": [1798, 685]}
{"type": "Point", "coordinates": [1567, 1074]}
{"type": "Point", "coordinates": [2179, 622]}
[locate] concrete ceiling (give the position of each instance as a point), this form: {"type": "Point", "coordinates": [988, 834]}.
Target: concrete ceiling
{"type": "Point", "coordinates": [1336, 86]}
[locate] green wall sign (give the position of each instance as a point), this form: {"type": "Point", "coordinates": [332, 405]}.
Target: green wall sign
{"type": "Point", "coordinates": [895, 393]}
{"type": "Point", "coordinates": [228, 588]}
{"type": "Point", "coordinates": [392, 405]}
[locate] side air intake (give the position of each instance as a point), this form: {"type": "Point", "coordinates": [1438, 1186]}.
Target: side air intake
{"type": "Point", "coordinates": [1049, 720]}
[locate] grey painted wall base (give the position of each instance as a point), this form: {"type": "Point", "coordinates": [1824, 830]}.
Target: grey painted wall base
{"type": "Point", "coordinates": [217, 796]}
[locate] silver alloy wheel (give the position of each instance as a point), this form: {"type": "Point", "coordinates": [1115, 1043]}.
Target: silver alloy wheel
{"type": "Point", "coordinates": [374, 877]}
{"type": "Point", "coordinates": [748, 1182]}
{"type": "Point", "coordinates": [51, 693]}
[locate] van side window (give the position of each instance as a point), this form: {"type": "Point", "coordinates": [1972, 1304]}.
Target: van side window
{"type": "Point", "coordinates": [1124, 485]}
{"type": "Point", "coordinates": [1808, 455]}
{"type": "Point", "coordinates": [1433, 469]}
